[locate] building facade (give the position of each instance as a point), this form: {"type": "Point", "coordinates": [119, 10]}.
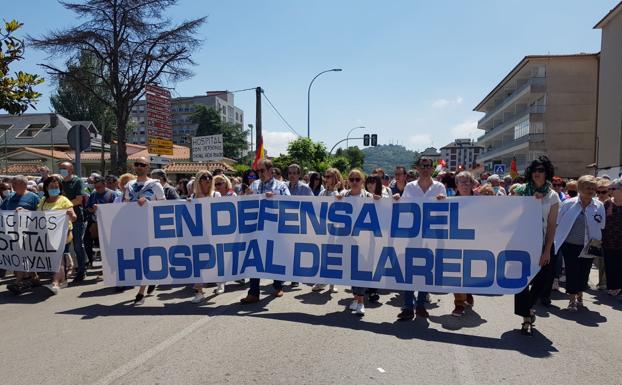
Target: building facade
{"type": "Point", "coordinates": [182, 109]}
{"type": "Point", "coordinates": [546, 105]}
{"type": "Point", "coordinates": [609, 129]}
{"type": "Point", "coordinates": [432, 153]}
{"type": "Point", "coordinates": [461, 153]}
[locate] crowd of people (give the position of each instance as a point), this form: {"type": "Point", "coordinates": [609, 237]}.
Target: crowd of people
{"type": "Point", "coordinates": [582, 220]}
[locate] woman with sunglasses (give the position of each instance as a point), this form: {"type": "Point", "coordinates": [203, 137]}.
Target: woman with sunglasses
{"type": "Point", "coordinates": [356, 179]}
{"type": "Point", "coordinates": [612, 238]}
{"type": "Point", "coordinates": [581, 220]}
{"type": "Point", "coordinates": [248, 178]}
{"type": "Point", "coordinates": [203, 187]}
{"type": "Point", "coordinates": [332, 185]}
{"type": "Point", "coordinates": [539, 175]}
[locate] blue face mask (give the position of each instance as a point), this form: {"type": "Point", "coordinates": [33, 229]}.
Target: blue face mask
{"type": "Point", "coordinates": [63, 172]}
{"type": "Point", "coordinates": [495, 189]}
{"type": "Point", "coordinates": [54, 192]}
{"type": "Point", "coordinates": [41, 194]}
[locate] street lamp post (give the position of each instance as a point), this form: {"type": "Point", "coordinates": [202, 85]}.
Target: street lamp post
{"type": "Point", "coordinates": [348, 136]}
{"type": "Point", "coordinates": [309, 98]}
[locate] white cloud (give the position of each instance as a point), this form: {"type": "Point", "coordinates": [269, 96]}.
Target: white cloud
{"type": "Point", "coordinates": [442, 103]}
{"type": "Point", "coordinates": [420, 141]}
{"type": "Point", "coordinates": [275, 142]}
{"type": "Point", "coordinates": [466, 129]}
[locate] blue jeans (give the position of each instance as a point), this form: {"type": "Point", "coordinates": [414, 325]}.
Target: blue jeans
{"type": "Point", "coordinates": [254, 289]}
{"type": "Point", "coordinates": [78, 246]}
{"type": "Point", "coordinates": [409, 299]}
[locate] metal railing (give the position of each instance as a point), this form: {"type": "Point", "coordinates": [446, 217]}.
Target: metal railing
{"type": "Point", "coordinates": [512, 119]}
{"type": "Point", "coordinates": [537, 81]}
{"type": "Point", "coordinates": [502, 148]}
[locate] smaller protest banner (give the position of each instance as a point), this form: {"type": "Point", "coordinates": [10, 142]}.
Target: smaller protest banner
{"type": "Point", "coordinates": [32, 241]}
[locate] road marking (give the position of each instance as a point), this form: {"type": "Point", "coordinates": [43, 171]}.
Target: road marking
{"type": "Point", "coordinates": [381, 370]}
{"type": "Point", "coordinates": [149, 354]}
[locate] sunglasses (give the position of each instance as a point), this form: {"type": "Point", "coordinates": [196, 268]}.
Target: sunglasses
{"type": "Point", "coordinates": [540, 170]}
{"type": "Point", "coordinates": [602, 192]}
{"type": "Point", "coordinates": [426, 166]}
{"type": "Point", "coordinates": [140, 165]}
{"type": "Point", "coordinates": [204, 177]}
{"type": "Point", "coordinates": [354, 180]}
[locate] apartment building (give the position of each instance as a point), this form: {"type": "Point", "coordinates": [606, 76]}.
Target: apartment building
{"type": "Point", "coordinates": [182, 109]}
{"type": "Point", "coordinates": [461, 153]}
{"type": "Point", "coordinates": [546, 105]}
{"type": "Point", "coordinates": [609, 128]}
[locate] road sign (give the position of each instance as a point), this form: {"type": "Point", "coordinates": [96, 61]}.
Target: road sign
{"type": "Point", "coordinates": [158, 122]}
{"type": "Point", "coordinates": [207, 148]}
{"type": "Point", "coordinates": [159, 160]}
{"type": "Point", "coordinates": [79, 134]}
{"type": "Point", "coordinates": [499, 169]}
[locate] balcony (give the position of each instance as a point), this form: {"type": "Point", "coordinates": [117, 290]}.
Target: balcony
{"type": "Point", "coordinates": [510, 122]}
{"type": "Point", "coordinates": [533, 86]}
{"type": "Point", "coordinates": [511, 146]}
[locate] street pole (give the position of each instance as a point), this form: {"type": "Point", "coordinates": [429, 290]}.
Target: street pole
{"type": "Point", "coordinates": [258, 132]}
{"type": "Point", "coordinates": [341, 141]}
{"type": "Point", "coordinates": [250, 126]}
{"type": "Point", "coordinates": [348, 136]}
{"type": "Point", "coordinates": [309, 99]}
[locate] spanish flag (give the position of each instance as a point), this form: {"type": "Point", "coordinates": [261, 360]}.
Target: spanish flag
{"type": "Point", "coordinates": [513, 168]}
{"type": "Point", "coordinates": [260, 153]}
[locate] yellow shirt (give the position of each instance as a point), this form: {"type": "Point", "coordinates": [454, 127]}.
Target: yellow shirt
{"type": "Point", "coordinates": [62, 203]}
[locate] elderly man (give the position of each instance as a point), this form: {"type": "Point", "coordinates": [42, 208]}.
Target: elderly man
{"type": "Point", "coordinates": [75, 190]}
{"type": "Point", "coordinates": [269, 186]}
{"type": "Point", "coordinates": [495, 183]}
{"type": "Point", "coordinates": [20, 199]}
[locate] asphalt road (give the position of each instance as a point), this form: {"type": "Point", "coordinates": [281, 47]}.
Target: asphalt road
{"type": "Point", "coordinates": [91, 335]}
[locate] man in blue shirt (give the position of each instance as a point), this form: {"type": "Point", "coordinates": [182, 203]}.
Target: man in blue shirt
{"type": "Point", "coordinates": [269, 186]}
{"type": "Point", "coordinates": [20, 199]}
{"type": "Point", "coordinates": [101, 195]}
{"type": "Point", "coordinates": [296, 187]}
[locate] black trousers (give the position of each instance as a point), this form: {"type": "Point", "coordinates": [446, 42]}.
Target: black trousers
{"type": "Point", "coordinates": [549, 276]}
{"type": "Point", "coordinates": [254, 289]}
{"type": "Point", "coordinates": [524, 301]}
{"type": "Point", "coordinates": [577, 269]}
{"type": "Point", "coordinates": [613, 268]}
{"type": "Point", "coordinates": [89, 242]}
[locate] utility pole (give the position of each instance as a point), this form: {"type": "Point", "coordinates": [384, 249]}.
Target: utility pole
{"type": "Point", "coordinates": [258, 132]}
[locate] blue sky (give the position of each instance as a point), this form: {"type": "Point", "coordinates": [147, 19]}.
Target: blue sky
{"type": "Point", "coordinates": [412, 70]}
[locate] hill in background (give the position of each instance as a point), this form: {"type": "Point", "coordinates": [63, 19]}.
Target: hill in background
{"type": "Point", "coordinates": [388, 156]}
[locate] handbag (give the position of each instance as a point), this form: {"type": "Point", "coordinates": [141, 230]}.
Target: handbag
{"type": "Point", "coordinates": [593, 249]}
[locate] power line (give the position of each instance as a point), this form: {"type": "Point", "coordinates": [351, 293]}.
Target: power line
{"type": "Point", "coordinates": [280, 116]}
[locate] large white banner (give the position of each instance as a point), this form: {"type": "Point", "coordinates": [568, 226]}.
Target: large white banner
{"type": "Point", "coordinates": [32, 240]}
{"type": "Point", "coordinates": [471, 244]}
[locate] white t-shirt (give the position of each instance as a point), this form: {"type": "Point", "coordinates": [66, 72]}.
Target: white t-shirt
{"type": "Point", "coordinates": [413, 190]}
{"type": "Point", "coordinates": [150, 189]}
{"type": "Point", "coordinates": [550, 200]}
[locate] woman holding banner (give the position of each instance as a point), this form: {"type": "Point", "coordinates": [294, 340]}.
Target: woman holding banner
{"type": "Point", "coordinates": [53, 200]}
{"type": "Point", "coordinates": [356, 179]}
{"type": "Point", "coordinates": [539, 175]}
{"type": "Point", "coordinates": [332, 185]}
{"type": "Point", "coordinates": [465, 183]}
{"type": "Point", "coordinates": [203, 187]}
{"type": "Point", "coordinates": [579, 232]}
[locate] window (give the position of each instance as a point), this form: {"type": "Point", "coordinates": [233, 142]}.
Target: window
{"type": "Point", "coordinates": [4, 128]}
{"type": "Point", "coordinates": [31, 131]}
{"type": "Point", "coordinates": [521, 128]}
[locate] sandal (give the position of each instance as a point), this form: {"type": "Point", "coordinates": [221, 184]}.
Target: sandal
{"type": "Point", "coordinates": [526, 328]}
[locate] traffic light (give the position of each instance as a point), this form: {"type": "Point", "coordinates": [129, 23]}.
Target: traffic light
{"type": "Point", "coordinates": [374, 139]}
{"type": "Point", "coordinates": [366, 140]}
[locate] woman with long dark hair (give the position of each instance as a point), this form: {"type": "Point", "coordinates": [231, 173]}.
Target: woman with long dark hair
{"type": "Point", "coordinates": [539, 175]}
{"type": "Point", "coordinates": [315, 182]}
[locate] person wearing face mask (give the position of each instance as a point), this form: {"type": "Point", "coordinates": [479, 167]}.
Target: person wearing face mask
{"type": "Point", "coordinates": [495, 182]}
{"type": "Point", "coordinates": [75, 190]}
{"type": "Point", "coordinates": [5, 191]}
{"type": "Point", "coordinates": [55, 201]}
{"type": "Point", "coordinates": [19, 199]}
{"type": "Point", "coordinates": [100, 195]}
{"type": "Point", "coordinates": [572, 189]}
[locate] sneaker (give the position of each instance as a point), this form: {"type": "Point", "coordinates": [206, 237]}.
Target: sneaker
{"type": "Point", "coordinates": [360, 309]}
{"type": "Point", "coordinates": [52, 288]}
{"type": "Point", "coordinates": [421, 312]}
{"type": "Point", "coordinates": [220, 288]}
{"type": "Point", "coordinates": [318, 287]}
{"type": "Point", "coordinates": [16, 288]}
{"type": "Point", "coordinates": [241, 281]}
{"type": "Point", "coordinates": [406, 314]}
{"type": "Point", "coordinates": [198, 297]}
{"type": "Point", "coordinates": [139, 300]}
{"type": "Point", "coordinates": [458, 311]}
{"type": "Point", "coordinates": [333, 289]}
{"type": "Point", "coordinates": [353, 305]}
{"type": "Point", "coordinates": [151, 289]}
{"type": "Point", "coordinates": [78, 279]}
{"type": "Point", "coordinates": [555, 284]}
{"type": "Point", "coordinates": [470, 301]}
{"type": "Point", "coordinates": [374, 297]}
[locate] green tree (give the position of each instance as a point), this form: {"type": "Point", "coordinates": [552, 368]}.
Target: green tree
{"type": "Point", "coordinates": [135, 43]}
{"type": "Point", "coordinates": [234, 136]}
{"type": "Point", "coordinates": [354, 156]}
{"type": "Point", "coordinates": [76, 102]}
{"type": "Point", "coordinates": [308, 154]}
{"type": "Point", "coordinates": [16, 92]}
{"type": "Point", "coordinates": [341, 163]}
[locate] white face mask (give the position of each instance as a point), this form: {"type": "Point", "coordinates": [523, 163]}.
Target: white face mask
{"type": "Point", "coordinates": [63, 172]}
{"type": "Point", "coordinates": [6, 193]}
